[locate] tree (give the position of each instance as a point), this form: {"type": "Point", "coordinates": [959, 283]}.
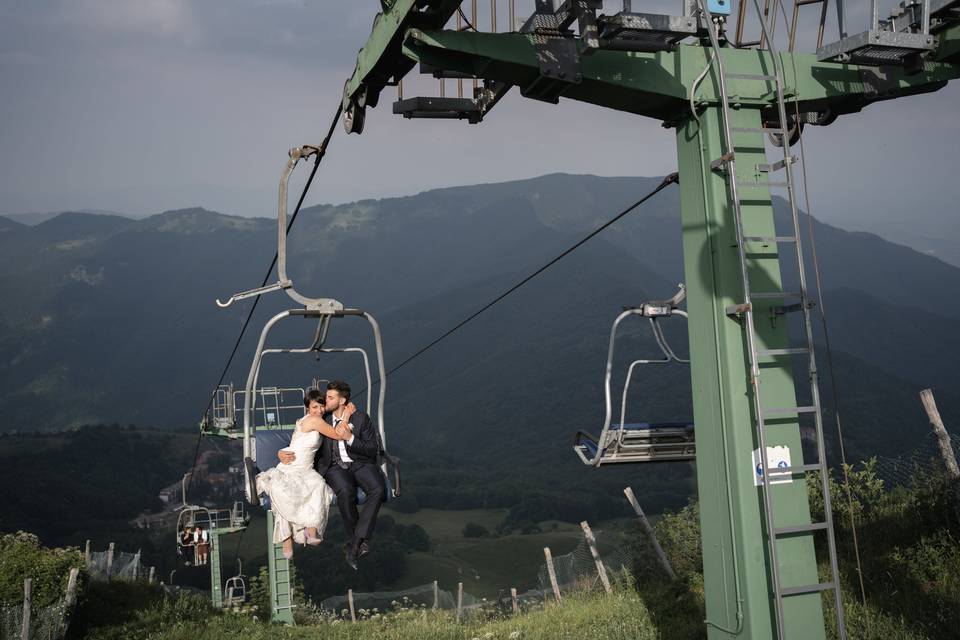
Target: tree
{"type": "Point", "coordinates": [413, 537]}
{"type": "Point", "coordinates": [474, 530]}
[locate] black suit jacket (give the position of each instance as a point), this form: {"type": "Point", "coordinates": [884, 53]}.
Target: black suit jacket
{"type": "Point", "coordinates": [365, 447]}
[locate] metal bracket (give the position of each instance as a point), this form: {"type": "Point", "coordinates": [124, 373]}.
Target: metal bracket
{"type": "Point", "coordinates": [558, 54]}
{"type": "Point", "coordinates": [253, 292]}
{"type": "Point", "coordinates": [321, 305]}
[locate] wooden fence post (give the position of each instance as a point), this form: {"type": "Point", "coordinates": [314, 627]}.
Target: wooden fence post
{"type": "Point", "coordinates": [664, 561]}
{"type": "Point", "coordinates": [27, 603]}
{"type": "Point", "coordinates": [459, 600]}
{"type": "Point", "coordinates": [946, 448]}
{"type": "Point", "coordinates": [436, 594]}
{"type": "Point", "coordinates": [150, 577]}
{"type": "Point", "coordinates": [69, 601]}
{"type": "Point", "coordinates": [86, 555]}
{"type": "Point", "coordinates": [513, 597]}
{"type": "Point", "coordinates": [553, 574]}
{"type": "Point", "coordinates": [592, 543]}
{"type": "Point", "coordinates": [353, 611]}
{"type": "Point", "coordinates": [110, 561]}
{"type": "Point", "coordinates": [70, 598]}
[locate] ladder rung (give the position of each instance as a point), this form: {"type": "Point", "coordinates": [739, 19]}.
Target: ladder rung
{"type": "Point", "coordinates": [801, 3]}
{"type": "Point", "coordinates": [776, 166]}
{"type": "Point", "coordinates": [793, 351]}
{"type": "Point", "coordinates": [752, 76]}
{"type": "Point", "coordinates": [802, 468]}
{"type": "Point", "coordinates": [770, 239]}
{"type": "Point", "coordinates": [789, 410]}
{"type": "Point", "coordinates": [760, 184]}
{"type": "Point", "coordinates": [788, 308]}
{"type": "Point", "coordinates": [773, 295]}
{"type": "Point", "coordinates": [756, 130]}
{"type": "Point", "coordinates": [812, 588]}
{"type": "Point", "coordinates": [800, 528]}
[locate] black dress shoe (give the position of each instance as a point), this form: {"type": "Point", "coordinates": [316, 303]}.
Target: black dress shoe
{"type": "Point", "coordinates": [351, 557]}
{"type": "Point", "coordinates": [363, 549]}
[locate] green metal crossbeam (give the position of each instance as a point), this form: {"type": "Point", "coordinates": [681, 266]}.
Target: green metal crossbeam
{"type": "Point", "coordinates": [657, 84]}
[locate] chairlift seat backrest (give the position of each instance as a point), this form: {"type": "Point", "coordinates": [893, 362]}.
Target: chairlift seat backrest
{"type": "Point", "coordinates": [270, 441]}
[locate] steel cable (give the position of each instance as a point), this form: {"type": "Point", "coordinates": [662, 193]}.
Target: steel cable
{"type": "Point", "coordinates": [673, 178]}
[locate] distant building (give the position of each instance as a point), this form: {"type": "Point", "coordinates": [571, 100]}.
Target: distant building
{"type": "Point", "coordinates": [162, 520]}
{"type": "Point", "coordinates": [171, 494]}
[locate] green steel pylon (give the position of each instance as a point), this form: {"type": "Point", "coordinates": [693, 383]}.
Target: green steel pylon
{"type": "Point", "coordinates": [756, 579]}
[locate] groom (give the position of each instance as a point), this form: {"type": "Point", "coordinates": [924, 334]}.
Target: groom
{"type": "Point", "coordinates": [345, 464]}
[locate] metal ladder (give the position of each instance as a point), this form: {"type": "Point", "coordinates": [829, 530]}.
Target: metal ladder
{"type": "Point", "coordinates": [281, 587]}
{"type": "Point", "coordinates": [727, 164]}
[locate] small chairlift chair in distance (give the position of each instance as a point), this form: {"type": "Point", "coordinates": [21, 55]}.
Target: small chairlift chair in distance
{"type": "Point", "coordinates": [235, 588]}
{"type": "Point", "coordinates": [640, 441]}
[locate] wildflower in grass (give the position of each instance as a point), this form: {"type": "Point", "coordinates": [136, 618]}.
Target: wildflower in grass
{"type": "Point", "coordinates": [514, 635]}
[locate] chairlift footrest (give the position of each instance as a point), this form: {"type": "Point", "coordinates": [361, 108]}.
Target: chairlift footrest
{"type": "Point", "coordinates": [439, 108]}
{"type": "Point", "coordinates": [647, 32]}
{"type": "Point", "coordinates": [877, 48]}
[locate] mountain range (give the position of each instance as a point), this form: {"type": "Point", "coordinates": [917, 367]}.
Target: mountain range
{"type": "Point", "coordinates": [111, 319]}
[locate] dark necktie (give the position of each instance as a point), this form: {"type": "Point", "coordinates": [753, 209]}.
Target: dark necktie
{"type": "Point", "coordinates": [336, 448]}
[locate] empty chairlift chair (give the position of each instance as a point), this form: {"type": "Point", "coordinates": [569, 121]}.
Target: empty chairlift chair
{"type": "Point", "coordinates": [638, 441]}
{"type": "Point", "coordinates": [235, 589]}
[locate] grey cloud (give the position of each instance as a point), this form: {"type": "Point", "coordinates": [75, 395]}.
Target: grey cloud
{"type": "Point", "coordinates": [195, 102]}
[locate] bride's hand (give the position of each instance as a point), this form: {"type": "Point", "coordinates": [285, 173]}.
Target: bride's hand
{"type": "Point", "coordinates": [349, 410]}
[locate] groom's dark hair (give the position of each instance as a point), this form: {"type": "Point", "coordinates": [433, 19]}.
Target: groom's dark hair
{"type": "Point", "coordinates": [340, 387]}
{"type": "Point", "coordinates": [313, 395]}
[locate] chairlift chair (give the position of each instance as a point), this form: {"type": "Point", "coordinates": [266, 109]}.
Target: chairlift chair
{"type": "Point", "coordinates": [235, 588]}
{"type": "Point", "coordinates": [261, 443]}
{"type": "Point", "coordinates": [638, 441]}
{"type": "Point", "coordinates": [190, 515]}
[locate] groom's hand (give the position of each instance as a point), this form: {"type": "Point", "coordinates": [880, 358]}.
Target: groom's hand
{"type": "Point", "coordinates": [286, 457]}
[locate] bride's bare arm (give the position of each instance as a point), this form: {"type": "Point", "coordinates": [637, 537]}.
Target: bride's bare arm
{"type": "Point", "coordinates": [313, 423]}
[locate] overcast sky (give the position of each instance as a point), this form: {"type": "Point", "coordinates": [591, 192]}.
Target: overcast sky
{"type": "Point", "coordinates": [140, 106]}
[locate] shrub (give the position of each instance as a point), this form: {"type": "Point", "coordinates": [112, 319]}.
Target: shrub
{"type": "Point", "coordinates": [413, 537]}
{"type": "Point", "coordinates": [22, 556]}
{"type": "Point", "coordinates": [474, 530]}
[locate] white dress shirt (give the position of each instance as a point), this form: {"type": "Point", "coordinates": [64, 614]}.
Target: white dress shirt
{"type": "Point", "coordinates": [343, 443]}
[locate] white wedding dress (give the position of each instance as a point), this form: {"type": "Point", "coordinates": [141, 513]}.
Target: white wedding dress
{"type": "Point", "coordinates": [299, 497]}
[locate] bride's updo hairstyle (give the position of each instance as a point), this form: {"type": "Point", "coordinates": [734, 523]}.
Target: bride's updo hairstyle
{"type": "Point", "coordinates": [314, 395]}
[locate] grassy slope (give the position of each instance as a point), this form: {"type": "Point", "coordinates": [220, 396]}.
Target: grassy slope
{"type": "Point", "coordinates": [486, 566]}
{"type": "Point", "coordinates": [621, 616]}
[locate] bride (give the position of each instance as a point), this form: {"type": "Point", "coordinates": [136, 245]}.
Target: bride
{"type": "Point", "coordinates": [299, 497]}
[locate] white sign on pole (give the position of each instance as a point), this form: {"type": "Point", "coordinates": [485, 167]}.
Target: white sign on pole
{"type": "Point", "coordinates": [779, 458]}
